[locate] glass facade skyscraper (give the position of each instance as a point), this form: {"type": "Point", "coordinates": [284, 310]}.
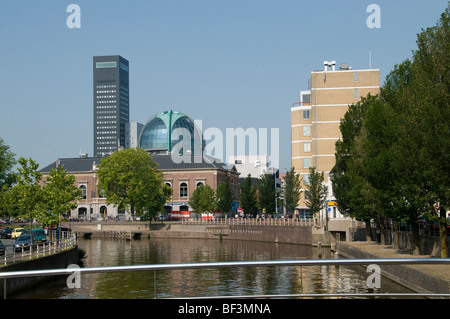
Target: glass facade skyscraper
{"type": "Point", "coordinates": [111, 103]}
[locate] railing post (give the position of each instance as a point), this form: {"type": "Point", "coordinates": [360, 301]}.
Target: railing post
{"type": "Point", "coordinates": [154, 284]}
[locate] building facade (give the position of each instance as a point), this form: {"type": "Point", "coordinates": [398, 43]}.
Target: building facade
{"type": "Point", "coordinates": [132, 132]}
{"type": "Point", "coordinates": [182, 176]}
{"type": "Point", "coordinates": [111, 103]}
{"type": "Point", "coordinates": [315, 120]}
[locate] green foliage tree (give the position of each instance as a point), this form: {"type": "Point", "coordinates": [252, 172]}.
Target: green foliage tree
{"type": "Point", "coordinates": [249, 201]}
{"type": "Point", "coordinates": [59, 196]}
{"type": "Point", "coordinates": [203, 199]}
{"type": "Point", "coordinates": [224, 196]}
{"type": "Point", "coordinates": [7, 162]}
{"type": "Point", "coordinates": [7, 177]}
{"type": "Point", "coordinates": [316, 192]}
{"type": "Point", "coordinates": [129, 179]}
{"type": "Point", "coordinates": [26, 195]}
{"type": "Point", "coordinates": [292, 190]}
{"type": "Point", "coordinates": [394, 158]}
{"type": "Point", "coordinates": [266, 194]}
{"type": "Point", "coordinates": [431, 117]}
{"type": "Point", "coordinates": [352, 193]}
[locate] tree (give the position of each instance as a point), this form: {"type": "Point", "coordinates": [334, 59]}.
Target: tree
{"type": "Point", "coordinates": [203, 199]}
{"type": "Point", "coordinates": [266, 193]}
{"type": "Point", "coordinates": [7, 162]}
{"type": "Point", "coordinates": [249, 201]}
{"type": "Point", "coordinates": [224, 196]}
{"type": "Point", "coordinates": [352, 193]}
{"type": "Point", "coordinates": [292, 190]}
{"type": "Point", "coordinates": [431, 116]}
{"type": "Point", "coordinates": [26, 195]}
{"type": "Point", "coordinates": [7, 177]}
{"type": "Point", "coordinates": [316, 192]}
{"type": "Point", "coordinates": [129, 179]}
{"type": "Point", "coordinates": [59, 196]}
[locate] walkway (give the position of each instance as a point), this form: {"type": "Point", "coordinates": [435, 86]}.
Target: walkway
{"type": "Point", "coordinates": [370, 249]}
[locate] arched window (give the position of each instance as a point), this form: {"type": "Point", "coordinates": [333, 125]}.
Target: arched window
{"type": "Point", "coordinates": [83, 191]}
{"type": "Point", "coordinates": [200, 184]}
{"type": "Point", "coordinates": [183, 190]}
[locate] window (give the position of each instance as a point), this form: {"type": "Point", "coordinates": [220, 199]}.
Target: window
{"type": "Point", "coordinates": [306, 114]}
{"type": "Point", "coordinates": [356, 94]}
{"type": "Point", "coordinates": [307, 147]}
{"type": "Point", "coordinates": [83, 191]}
{"type": "Point", "coordinates": [183, 190]}
{"type": "Point", "coordinates": [306, 130]}
{"type": "Point", "coordinates": [356, 76]}
{"type": "Point", "coordinates": [306, 163]}
{"type": "Point", "coordinates": [200, 184]}
{"type": "Point", "coordinates": [306, 179]}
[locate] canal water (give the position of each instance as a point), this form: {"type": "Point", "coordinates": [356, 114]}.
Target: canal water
{"type": "Point", "coordinates": [204, 282]}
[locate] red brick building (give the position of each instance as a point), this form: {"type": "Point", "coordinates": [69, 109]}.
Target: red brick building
{"type": "Point", "coordinates": [183, 178]}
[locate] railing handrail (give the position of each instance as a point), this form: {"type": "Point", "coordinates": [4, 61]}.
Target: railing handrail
{"type": "Point", "coordinates": [228, 264]}
{"type": "Point", "coordinates": [54, 245]}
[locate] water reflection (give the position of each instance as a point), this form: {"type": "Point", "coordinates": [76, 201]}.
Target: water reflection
{"type": "Point", "coordinates": [203, 282]}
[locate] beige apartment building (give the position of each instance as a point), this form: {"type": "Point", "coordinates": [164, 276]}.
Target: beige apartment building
{"type": "Point", "coordinates": [316, 117]}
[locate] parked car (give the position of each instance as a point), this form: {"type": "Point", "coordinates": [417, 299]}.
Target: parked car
{"type": "Point", "coordinates": [39, 235]}
{"type": "Point", "coordinates": [16, 232]}
{"type": "Point", "coordinates": [6, 233]}
{"type": "Point", "coordinates": [23, 242]}
{"type": "Point", "coordinates": [2, 248]}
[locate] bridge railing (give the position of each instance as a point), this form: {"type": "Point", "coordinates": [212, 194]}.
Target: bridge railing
{"type": "Point", "coordinates": [254, 221]}
{"type": "Point", "coordinates": [74, 271]}
{"type": "Point", "coordinates": [54, 244]}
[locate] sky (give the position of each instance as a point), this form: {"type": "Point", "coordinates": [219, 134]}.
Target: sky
{"type": "Point", "coordinates": [230, 64]}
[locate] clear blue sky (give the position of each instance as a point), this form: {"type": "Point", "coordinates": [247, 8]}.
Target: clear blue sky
{"type": "Point", "coordinates": [228, 63]}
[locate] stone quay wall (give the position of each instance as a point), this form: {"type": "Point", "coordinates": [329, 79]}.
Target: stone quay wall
{"type": "Point", "coordinates": [55, 261]}
{"type": "Point", "coordinates": [280, 234]}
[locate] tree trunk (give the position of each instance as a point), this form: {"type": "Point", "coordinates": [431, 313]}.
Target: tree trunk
{"type": "Point", "coordinates": [396, 234]}
{"type": "Point", "coordinates": [416, 238]}
{"type": "Point", "coordinates": [369, 235]}
{"type": "Point", "coordinates": [382, 230]}
{"type": "Point", "coordinates": [443, 232]}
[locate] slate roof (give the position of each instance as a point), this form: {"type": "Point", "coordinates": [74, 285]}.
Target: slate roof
{"type": "Point", "coordinates": [166, 162]}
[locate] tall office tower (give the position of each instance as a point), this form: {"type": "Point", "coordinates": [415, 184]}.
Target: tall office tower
{"type": "Point", "coordinates": [111, 103]}
{"type": "Point", "coordinates": [315, 119]}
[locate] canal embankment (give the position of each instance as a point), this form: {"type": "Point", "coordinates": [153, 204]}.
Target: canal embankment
{"type": "Point", "coordinates": [57, 260]}
{"type": "Point", "coordinates": [419, 278]}
{"type": "Point", "coordinates": [302, 235]}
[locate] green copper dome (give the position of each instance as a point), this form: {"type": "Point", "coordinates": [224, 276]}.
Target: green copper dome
{"type": "Point", "coordinates": [160, 132]}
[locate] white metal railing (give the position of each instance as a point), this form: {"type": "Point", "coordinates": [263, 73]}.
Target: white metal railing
{"type": "Point", "coordinates": [53, 245]}
{"type": "Point", "coordinates": [300, 263]}
{"type": "Point", "coordinates": [254, 221]}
